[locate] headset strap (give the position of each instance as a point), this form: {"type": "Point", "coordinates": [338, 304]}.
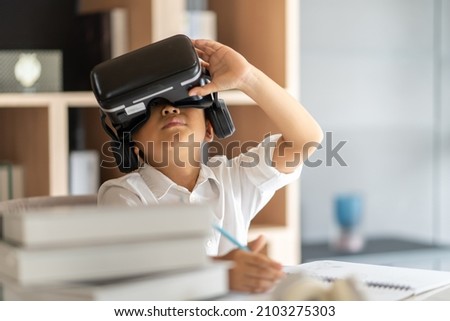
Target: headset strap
{"type": "Point", "coordinates": [108, 129]}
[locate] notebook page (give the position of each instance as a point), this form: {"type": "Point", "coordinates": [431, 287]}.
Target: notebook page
{"type": "Point", "coordinates": [416, 281]}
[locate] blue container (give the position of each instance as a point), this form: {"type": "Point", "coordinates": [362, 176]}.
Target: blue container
{"type": "Point", "coordinates": [348, 210]}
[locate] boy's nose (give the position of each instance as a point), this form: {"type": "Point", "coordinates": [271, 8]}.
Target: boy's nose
{"type": "Point", "coordinates": [169, 110]}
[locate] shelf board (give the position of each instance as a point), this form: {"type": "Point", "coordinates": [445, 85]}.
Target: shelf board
{"type": "Point", "coordinates": [82, 99]}
{"type": "Point", "coordinates": [87, 99]}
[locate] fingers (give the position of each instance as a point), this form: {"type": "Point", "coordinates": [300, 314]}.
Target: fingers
{"type": "Point", "coordinates": [258, 244]}
{"type": "Point", "coordinates": [258, 264]}
{"type": "Point", "coordinates": [203, 56]}
{"type": "Point", "coordinates": [204, 64]}
{"type": "Point", "coordinates": [228, 69]}
{"type": "Point", "coordinates": [204, 90]}
{"type": "Point", "coordinates": [207, 46]}
{"type": "Point", "coordinates": [254, 272]}
{"type": "Point", "coordinates": [255, 285]}
{"type": "Point", "coordinates": [244, 283]}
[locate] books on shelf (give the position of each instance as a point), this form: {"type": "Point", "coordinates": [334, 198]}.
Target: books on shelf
{"type": "Point", "coordinates": [11, 181]}
{"type": "Point", "coordinates": [119, 31]}
{"type": "Point", "coordinates": [201, 24]}
{"type": "Point", "coordinates": [84, 172]}
{"type": "Point", "coordinates": [207, 282]}
{"type": "Point", "coordinates": [63, 226]}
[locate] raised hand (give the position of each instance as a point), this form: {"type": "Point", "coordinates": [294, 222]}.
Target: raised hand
{"type": "Point", "coordinates": [228, 68]}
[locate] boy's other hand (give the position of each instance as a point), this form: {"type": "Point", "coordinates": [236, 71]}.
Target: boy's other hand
{"type": "Point", "coordinates": [253, 271]}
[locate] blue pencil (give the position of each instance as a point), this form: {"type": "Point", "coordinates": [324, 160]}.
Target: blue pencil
{"type": "Point", "coordinates": [231, 238]}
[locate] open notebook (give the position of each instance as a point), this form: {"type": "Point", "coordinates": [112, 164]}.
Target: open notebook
{"type": "Point", "coordinates": [382, 283]}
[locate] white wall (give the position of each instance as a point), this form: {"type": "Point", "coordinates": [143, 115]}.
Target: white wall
{"type": "Point", "coordinates": [368, 77]}
{"type": "Point", "coordinates": [443, 224]}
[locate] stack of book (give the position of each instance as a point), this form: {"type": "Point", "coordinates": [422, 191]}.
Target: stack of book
{"type": "Point", "coordinates": [101, 253]}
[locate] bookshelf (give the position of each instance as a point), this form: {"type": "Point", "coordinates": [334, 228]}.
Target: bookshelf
{"type": "Point", "coordinates": [35, 133]}
{"type": "Point", "coordinates": [34, 127]}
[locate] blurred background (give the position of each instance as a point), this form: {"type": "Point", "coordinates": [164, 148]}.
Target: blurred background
{"type": "Point", "coordinates": [376, 75]}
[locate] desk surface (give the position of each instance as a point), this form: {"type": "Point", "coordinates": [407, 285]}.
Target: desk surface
{"type": "Point", "coordinates": [315, 251]}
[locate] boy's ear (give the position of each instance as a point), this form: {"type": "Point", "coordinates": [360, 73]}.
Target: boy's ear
{"type": "Point", "coordinates": [209, 132]}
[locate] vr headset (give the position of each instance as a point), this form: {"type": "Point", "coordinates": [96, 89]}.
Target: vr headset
{"type": "Point", "coordinates": [125, 88]}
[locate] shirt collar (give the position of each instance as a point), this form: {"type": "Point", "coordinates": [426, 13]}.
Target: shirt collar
{"type": "Point", "coordinates": [160, 184]}
{"type": "Point", "coordinates": [206, 173]}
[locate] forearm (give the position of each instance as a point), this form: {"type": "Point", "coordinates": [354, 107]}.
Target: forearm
{"type": "Point", "coordinates": [230, 70]}
{"type": "Point", "coordinates": [296, 124]}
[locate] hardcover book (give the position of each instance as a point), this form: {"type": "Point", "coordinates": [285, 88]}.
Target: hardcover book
{"type": "Point", "coordinates": [82, 225]}
{"type": "Point", "coordinates": [100, 262]}
{"type": "Point", "coordinates": [201, 283]}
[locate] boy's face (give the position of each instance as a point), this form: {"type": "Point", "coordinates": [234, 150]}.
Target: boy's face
{"type": "Point", "coordinates": [170, 128]}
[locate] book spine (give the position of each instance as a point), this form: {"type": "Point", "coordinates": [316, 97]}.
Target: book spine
{"type": "Point", "coordinates": [101, 262]}
{"type": "Point", "coordinates": [11, 181]}
{"type": "Point", "coordinates": [3, 183]}
{"type": "Point", "coordinates": [119, 32]}
{"type": "Point", "coordinates": [9, 262]}
{"type": "Point", "coordinates": [84, 172]}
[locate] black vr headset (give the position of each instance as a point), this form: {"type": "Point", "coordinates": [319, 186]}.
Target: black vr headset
{"type": "Point", "coordinates": [127, 86]}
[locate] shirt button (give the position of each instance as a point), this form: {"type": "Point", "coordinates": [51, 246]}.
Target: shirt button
{"type": "Point", "coordinates": [209, 243]}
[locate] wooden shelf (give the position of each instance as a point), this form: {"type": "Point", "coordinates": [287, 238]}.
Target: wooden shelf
{"type": "Point", "coordinates": [35, 126]}
{"type": "Point", "coordinates": [42, 118]}
{"type": "Point", "coordinates": [43, 115]}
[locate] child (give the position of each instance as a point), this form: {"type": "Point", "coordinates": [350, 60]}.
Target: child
{"type": "Point", "coordinates": [236, 189]}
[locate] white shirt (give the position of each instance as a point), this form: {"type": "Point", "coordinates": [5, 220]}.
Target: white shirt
{"type": "Point", "coordinates": [235, 189]}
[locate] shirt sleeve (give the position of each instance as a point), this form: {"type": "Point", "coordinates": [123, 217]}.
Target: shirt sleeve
{"type": "Point", "coordinates": [256, 166]}
{"type": "Point", "coordinates": [258, 179]}
{"type": "Point", "coordinates": [126, 191]}
{"type": "Point", "coordinates": [117, 195]}
{"type": "Point", "coordinates": [249, 180]}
